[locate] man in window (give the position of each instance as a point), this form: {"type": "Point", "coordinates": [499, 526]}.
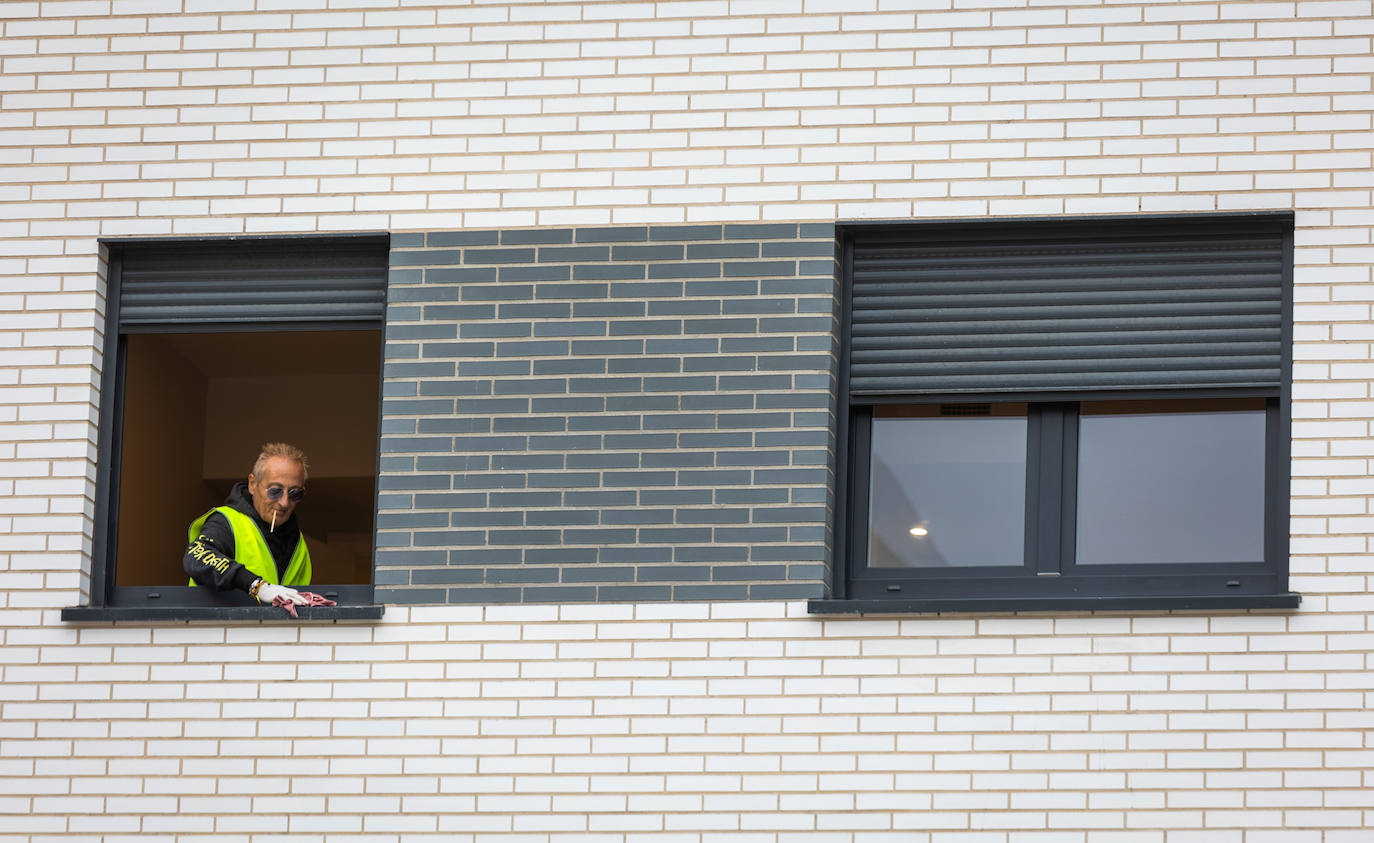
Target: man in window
{"type": "Point", "coordinates": [252, 543]}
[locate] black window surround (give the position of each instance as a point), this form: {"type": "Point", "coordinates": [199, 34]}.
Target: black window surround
{"type": "Point", "coordinates": [1051, 313]}
{"type": "Point", "coordinates": [220, 285]}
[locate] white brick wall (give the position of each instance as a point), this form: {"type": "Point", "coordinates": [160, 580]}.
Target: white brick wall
{"type": "Point", "coordinates": [723, 723]}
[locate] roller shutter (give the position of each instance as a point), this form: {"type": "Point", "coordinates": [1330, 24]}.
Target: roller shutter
{"type": "Point", "coordinates": [1068, 305]}
{"type": "Point", "coordinates": [314, 279]}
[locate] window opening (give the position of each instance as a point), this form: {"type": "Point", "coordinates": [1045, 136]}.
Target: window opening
{"type": "Point", "coordinates": [196, 409]}
{"type": "Point", "coordinates": [1066, 412]}
{"type": "Point", "coordinates": [214, 347]}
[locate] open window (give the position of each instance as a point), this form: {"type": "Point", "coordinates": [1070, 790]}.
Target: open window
{"type": "Point", "coordinates": [1050, 414]}
{"type": "Point", "coordinates": [213, 348]}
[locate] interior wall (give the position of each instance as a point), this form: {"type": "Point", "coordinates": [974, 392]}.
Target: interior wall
{"type": "Point", "coordinates": [333, 418]}
{"type": "Point", "coordinates": [160, 483]}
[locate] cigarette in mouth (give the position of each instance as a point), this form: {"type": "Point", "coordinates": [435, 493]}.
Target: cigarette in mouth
{"type": "Point", "coordinates": [274, 522]}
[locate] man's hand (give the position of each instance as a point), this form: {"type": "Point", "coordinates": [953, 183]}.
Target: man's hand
{"type": "Point", "coordinates": [269, 593]}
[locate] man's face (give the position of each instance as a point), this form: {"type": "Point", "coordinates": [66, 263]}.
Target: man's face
{"type": "Point", "coordinates": [277, 473]}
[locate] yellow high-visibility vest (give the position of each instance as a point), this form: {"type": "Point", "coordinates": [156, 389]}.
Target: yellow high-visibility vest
{"type": "Point", "coordinates": [250, 549]}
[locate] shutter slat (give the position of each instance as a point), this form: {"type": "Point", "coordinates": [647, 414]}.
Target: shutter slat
{"type": "Point", "coordinates": [1060, 308]}
{"type": "Point", "coordinates": [238, 281]}
{"type": "Point", "coordinates": [926, 339]}
{"type": "Point", "coordinates": [1066, 382]}
{"type": "Point", "coordinates": [1053, 307]}
{"type": "Point", "coordinates": [1068, 353]}
{"type": "Point", "coordinates": [1088, 365]}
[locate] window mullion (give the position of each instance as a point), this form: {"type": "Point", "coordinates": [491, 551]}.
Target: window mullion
{"type": "Point", "coordinates": [1053, 447]}
{"type": "Point", "coordinates": [1068, 492]}
{"type": "Point", "coordinates": [1276, 484]}
{"type": "Point", "coordinates": [860, 459]}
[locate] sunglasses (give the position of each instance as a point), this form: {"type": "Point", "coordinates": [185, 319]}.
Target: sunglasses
{"type": "Point", "coordinates": [294, 494]}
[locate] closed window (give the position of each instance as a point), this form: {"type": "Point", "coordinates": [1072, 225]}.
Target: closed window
{"type": "Point", "coordinates": [1064, 414]}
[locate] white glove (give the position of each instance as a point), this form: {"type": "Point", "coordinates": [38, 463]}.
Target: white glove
{"type": "Point", "coordinates": [268, 594]}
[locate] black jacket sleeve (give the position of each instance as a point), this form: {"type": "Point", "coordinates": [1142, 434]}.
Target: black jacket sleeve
{"type": "Point", "coordinates": [209, 560]}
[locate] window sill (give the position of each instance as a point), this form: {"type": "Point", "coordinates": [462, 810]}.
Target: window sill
{"type": "Point", "coordinates": [268, 614]}
{"type": "Point", "coordinates": [1288, 600]}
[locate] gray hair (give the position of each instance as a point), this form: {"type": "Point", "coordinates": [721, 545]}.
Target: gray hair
{"type": "Point", "coordinates": [281, 449]}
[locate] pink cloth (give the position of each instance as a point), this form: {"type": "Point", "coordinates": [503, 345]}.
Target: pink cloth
{"type": "Point", "coordinates": [311, 597]}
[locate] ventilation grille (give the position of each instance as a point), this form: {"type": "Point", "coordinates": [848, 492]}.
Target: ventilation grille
{"type": "Point", "coordinates": [965, 409]}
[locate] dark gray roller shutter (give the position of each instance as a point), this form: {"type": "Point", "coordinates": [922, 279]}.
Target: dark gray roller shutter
{"type": "Point", "coordinates": [316, 279]}
{"type": "Point", "coordinates": [1069, 305]}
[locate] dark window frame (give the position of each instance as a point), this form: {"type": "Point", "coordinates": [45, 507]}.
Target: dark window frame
{"type": "Point", "coordinates": [150, 604]}
{"type": "Point", "coordinates": [856, 589]}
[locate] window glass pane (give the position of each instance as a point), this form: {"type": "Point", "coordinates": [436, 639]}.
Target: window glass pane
{"type": "Point", "coordinates": [1171, 487]}
{"type": "Point", "coordinates": [948, 491]}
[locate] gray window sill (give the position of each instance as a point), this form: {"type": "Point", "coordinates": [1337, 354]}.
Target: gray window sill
{"type": "Point", "coordinates": [267, 614]}
{"type": "Point", "coordinates": [1288, 600]}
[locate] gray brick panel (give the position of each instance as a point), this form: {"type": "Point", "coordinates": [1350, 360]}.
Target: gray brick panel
{"type": "Point", "coordinates": [607, 414]}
